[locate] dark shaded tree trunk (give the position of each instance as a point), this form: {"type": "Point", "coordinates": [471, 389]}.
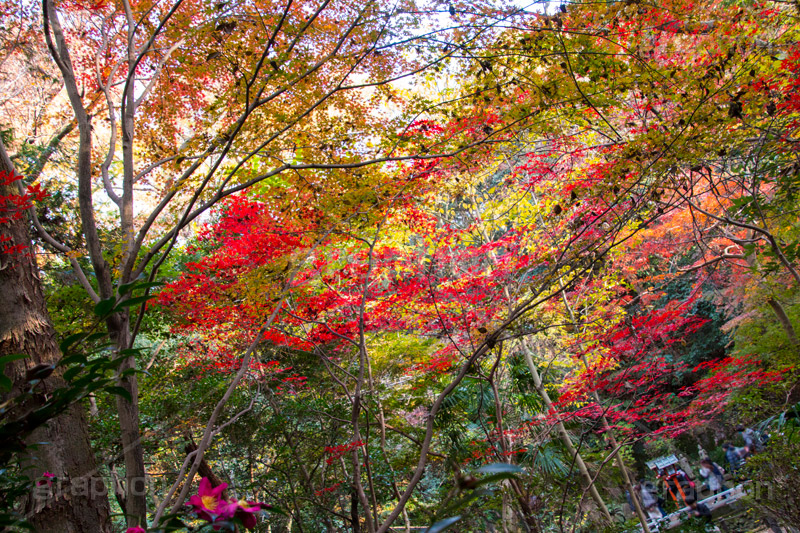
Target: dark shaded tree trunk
{"type": "Point", "coordinates": [354, 518]}
{"type": "Point", "coordinates": [78, 502]}
{"type": "Point", "coordinates": [205, 470]}
{"type": "Point", "coordinates": [528, 513]}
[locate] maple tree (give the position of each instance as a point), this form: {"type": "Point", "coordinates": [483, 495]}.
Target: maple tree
{"type": "Point", "coordinates": [375, 260]}
{"type": "Point", "coordinates": [641, 190]}
{"type": "Point", "coordinates": [252, 99]}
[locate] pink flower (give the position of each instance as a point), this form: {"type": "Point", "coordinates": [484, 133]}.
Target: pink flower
{"type": "Point", "coordinates": [48, 479]}
{"type": "Point", "coordinates": [136, 529]}
{"type": "Point", "coordinates": [208, 502]}
{"type": "Point", "coordinates": [243, 510]}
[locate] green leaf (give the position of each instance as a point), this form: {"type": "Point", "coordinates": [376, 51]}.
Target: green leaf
{"type": "Point", "coordinates": [95, 336]}
{"type": "Point", "coordinates": [174, 524]}
{"type": "Point", "coordinates": [78, 358]}
{"type": "Point", "coordinates": [225, 525]}
{"type": "Point", "coordinates": [466, 500]}
{"type": "Point", "coordinates": [80, 383]}
{"type": "Point", "coordinates": [12, 357]}
{"type": "Point", "coordinates": [275, 509]}
{"type": "Point", "coordinates": [138, 285]}
{"type": "Point", "coordinates": [495, 477]}
{"type": "Point", "coordinates": [500, 468]}
{"type": "Point", "coordinates": [11, 520]}
{"type": "Point", "coordinates": [127, 352]}
{"type": "Point", "coordinates": [72, 372]}
{"type": "Point", "coordinates": [75, 392]}
{"type": "Point", "coordinates": [104, 307]}
{"type": "Point", "coordinates": [5, 383]}
{"type": "Point", "coordinates": [67, 343]}
{"type": "Point", "coordinates": [125, 288]}
{"type": "Point", "coordinates": [441, 525]}
{"type": "Point", "coordinates": [136, 300]}
{"type": "Point", "coordinates": [119, 391]}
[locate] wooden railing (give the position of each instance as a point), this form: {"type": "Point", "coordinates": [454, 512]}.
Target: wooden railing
{"type": "Point", "coordinates": [718, 500]}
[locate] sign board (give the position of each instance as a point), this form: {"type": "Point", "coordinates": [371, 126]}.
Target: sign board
{"type": "Point", "coordinates": [662, 462]}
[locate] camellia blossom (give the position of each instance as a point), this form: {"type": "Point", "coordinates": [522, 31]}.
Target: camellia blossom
{"type": "Point", "coordinates": [208, 503]}
{"type": "Point", "coordinates": [47, 481]}
{"type": "Point", "coordinates": [136, 529]}
{"type": "Point", "coordinates": [243, 510]}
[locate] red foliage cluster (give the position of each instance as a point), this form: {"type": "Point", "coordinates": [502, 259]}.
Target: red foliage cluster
{"type": "Point", "coordinates": [638, 376]}
{"type": "Point", "coordinates": [436, 364]}
{"type": "Point", "coordinates": [12, 206]}
{"type": "Point", "coordinates": [327, 490]}
{"type": "Point", "coordinates": [789, 85]}
{"type": "Point", "coordinates": [335, 452]}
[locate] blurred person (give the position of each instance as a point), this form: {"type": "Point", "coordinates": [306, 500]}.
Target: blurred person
{"type": "Point", "coordinates": [650, 500]}
{"type": "Point", "coordinates": [700, 510]}
{"type": "Point", "coordinates": [714, 476]}
{"type": "Point", "coordinates": [733, 456]}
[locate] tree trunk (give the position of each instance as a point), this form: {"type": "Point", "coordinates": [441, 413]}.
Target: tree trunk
{"type": "Point", "coordinates": [786, 324]}
{"type": "Point", "coordinates": [528, 514]}
{"type": "Point", "coordinates": [132, 449]}
{"type": "Point", "coordinates": [205, 470]}
{"type": "Point", "coordinates": [562, 432]}
{"type": "Point", "coordinates": [79, 502]}
{"type": "Point", "coordinates": [354, 518]}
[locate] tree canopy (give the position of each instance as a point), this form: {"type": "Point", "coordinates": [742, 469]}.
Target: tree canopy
{"type": "Point", "coordinates": [370, 266]}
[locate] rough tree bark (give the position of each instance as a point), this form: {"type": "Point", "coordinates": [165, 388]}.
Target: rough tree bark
{"type": "Point", "coordinates": [79, 503]}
